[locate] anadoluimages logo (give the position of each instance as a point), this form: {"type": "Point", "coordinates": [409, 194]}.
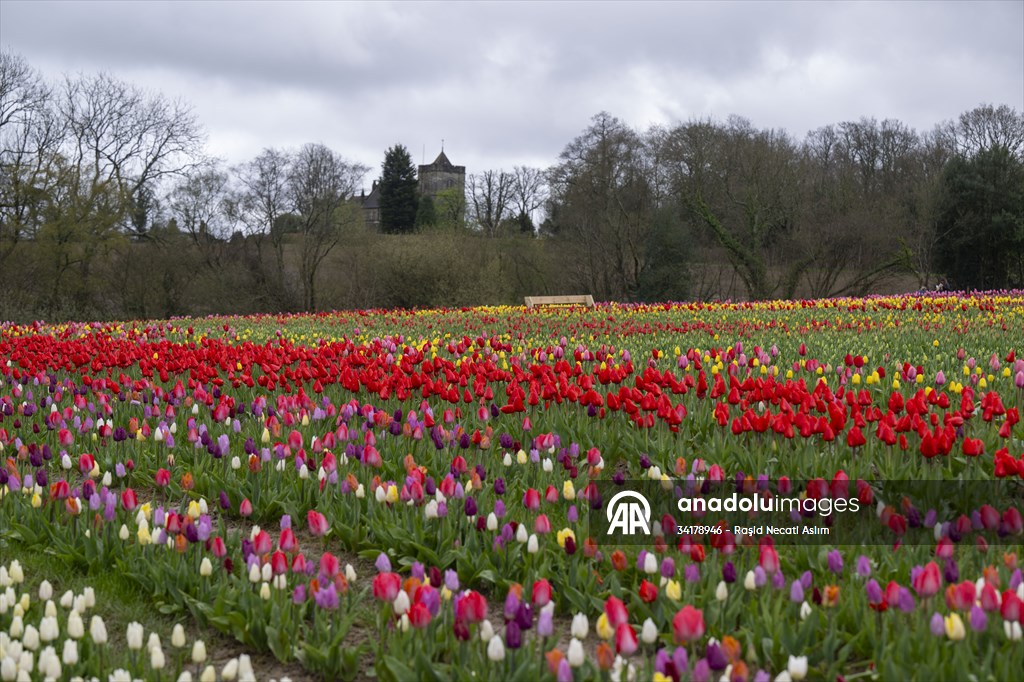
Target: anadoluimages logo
{"type": "Point", "coordinates": [629, 517]}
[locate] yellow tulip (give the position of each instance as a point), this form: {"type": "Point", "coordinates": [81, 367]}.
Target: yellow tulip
{"type": "Point", "coordinates": [955, 627]}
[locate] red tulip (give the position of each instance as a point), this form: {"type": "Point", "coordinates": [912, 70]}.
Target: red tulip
{"type": "Point", "coordinates": [1011, 606]}
{"type": "Point", "coordinates": [769, 559]}
{"type": "Point", "coordinates": [541, 592]}
{"type": "Point", "coordinates": [386, 586]}
{"type": "Point", "coordinates": [288, 542]}
{"type": "Point", "coordinates": [278, 562]}
{"type": "Point", "coordinates": [648, 591]}
{"type": "Point", "coordinates": [616, 612]}
{"type": "Point", "coordinates": [688, 625]}
{"type": "Point", "coordinates": [245, 509]}
{"type": "Point", "coordinates": [419, 615]}
{"type": "Point", "coordinates": [317, 523]}
{"type": "Point", "coordinates": [625, 640]}
{"type": "Point", "coordinates": [927, 582]}
{"type": "Point", "coordinates": [129, 500]}
{"type": "Point", "coordinates": [471, 608]}
{"type": "Point", "coordinates": [531, 499]}
{"type": "Point", "coordinates": [261, 543]}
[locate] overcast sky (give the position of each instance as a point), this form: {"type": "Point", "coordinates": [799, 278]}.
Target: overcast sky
{"type": "Point", "coordinates": [513, 83]}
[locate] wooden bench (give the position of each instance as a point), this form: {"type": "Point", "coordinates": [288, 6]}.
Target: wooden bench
{"type": "Point", "coordinates": [534, 301]}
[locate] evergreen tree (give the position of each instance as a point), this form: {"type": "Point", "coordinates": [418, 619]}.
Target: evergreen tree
{"type": "Point", "coordinates": [980, 226]}
{"type": "Point", "coordinates": [398, 192]}
{"type": "Point", "coordinates": [426, 215]}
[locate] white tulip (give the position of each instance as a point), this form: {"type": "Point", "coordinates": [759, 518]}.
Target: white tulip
{"type": "Point", "coordinates": [783, 677]}
{"type": "Point", "coordinates": [722, 591]}
{"type": "Point", "coordinates": [580, 626]}
{"type": "Point", "coordinates": [350, 573]}
{"type": "Point", "coordinates": [45, 590]}
{"type": "Point", "coordinates": [255, 574]}
{"type": "Point", "coordinates": [521, 535]}
{"type": "Point", "coordinates": [49, 630]}
{"type": "Point", "coordinates": [650, 563]}
{"type": "Point", "coordinates": [8, 669]}
{"type": "Point", "coordinates": [98, 630]}
{"type": "Point", "coordinates": [797, 667]}
{"type": "Point", "coordinates": [575, 653]}
{"type": "Point", "coordinates": [205, 567]}
{"type": "Point", "coordinates": [805, 610]}
{"type": "Point", "coordinates": [67, 600]}
{"type": "Point", "coordinates": [496, 649]}
{"type": "Point", "coordinates": [265, 591]}
{"type": "Point", "coordinates": [178, 636]}
{"type": "Point", "coordinates": [198, 651]}
{"type": "Point", "coordinates": [124, 534]}
{"type": "Point", "coordinates": [17, 573]}
{"type": "Point", "coordinates": [401, 603]}
{"type": "Point", "coordinates": [50, 609]}
{"type": "Point", "coordinates": [134, 636]}
{"type": "Point", "coordinates": [266, 572]}
{"type": "Point", "coordinates": [486, 631]}
{"type": "Point", "coordinates": [208, 674]}
{"type": "Point", "coordinates": [1012, 630]}
{"type": "Point", "coordinates": [70, 656]}
{"type": "Point", "coordinates": [30, 639]}
{"type": "Point", "coordinates": [76, 627]}
{"type": "Point", "coordinates": [186, 676]}
{"type": "Point", "coordinates": [153, 641]}
{"type": "Point", "coordinates": [230, 671]}
{"type": "Point", "coordinates": [236, 463]}
{"type": "Point", "coordinates": [156, 658]}
{"type": "Point", "coordinates": [649, 632]}
{"type": "Point", "coordinates": [532, 546]}
{"type": "Point", "coordinates": [749, 581]}
{"type": "Point", "coordinates": [492, 522]}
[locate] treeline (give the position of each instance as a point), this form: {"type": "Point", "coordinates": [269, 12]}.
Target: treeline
{"type": "Point", "coordinates": [110, 208]}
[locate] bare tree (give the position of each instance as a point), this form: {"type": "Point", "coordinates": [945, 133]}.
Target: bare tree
{"type": "Point", "coordinates": [984, 127]}
{"type": "Point", "coordinates": [200, 205]}
{"type": "Point", "coordinates": [602, 205]}
{"type": "Point", "coordinates": [489, 197]}
{"type": "Point", "coordinates": [319, 188]}
{"type": "Point", "coordinates": [528, 193]}
{"type": "Point", "coordinates": [31, 134]}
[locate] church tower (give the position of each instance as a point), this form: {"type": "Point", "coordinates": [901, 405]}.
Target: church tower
{"type": "Point", "coordinates": [441, 175]}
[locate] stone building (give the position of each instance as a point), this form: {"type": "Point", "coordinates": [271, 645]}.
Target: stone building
{"type": "Point", "coordinates": [441, 175]}
{"type": "Point", "coordinates": [433, 178]}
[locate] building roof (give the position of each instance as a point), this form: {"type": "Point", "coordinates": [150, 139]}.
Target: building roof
{"type": "Point", "coordinates": [372, 200]}
{"type": "Point", "coordinates": [442, 161]}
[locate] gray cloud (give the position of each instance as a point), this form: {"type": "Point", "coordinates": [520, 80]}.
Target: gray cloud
{"type": "Point", "coordinates": [510, 83]}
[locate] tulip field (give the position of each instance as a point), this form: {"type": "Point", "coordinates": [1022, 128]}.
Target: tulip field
{"type": "Point", "coordinates": [406, 495]}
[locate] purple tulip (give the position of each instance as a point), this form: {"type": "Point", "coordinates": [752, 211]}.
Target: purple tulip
{"type": "Point", "coordinates": [937, 625]}
{"type": "Point", "coordinates": [806, 580]}
{"type": "Point", "coordinates": [545, 624]}
{"type": "Point", "coordinates": [680, 660]}
{"type": "Point", "coordinates": [796, 592]}
{"type": "Point", "coordinates": [835, 562]}
{"type": "Point", "coordinates": [905, 600]}
{"type": "Point", "coordinates": [327, 597]}
{"type": "Point", "coordinates": [383, 564]}
{"type": "Point", "coordinates": [863, 566]}
{"type": "Point", "coordinates": [716, 657]}
{"type": "Point", "coordinates": [978, 619]}
{"type": "Point", "coordinates": [874, 592]}
{"type": "Point", "coordinates": [513, 635]}
{"type": "Point", "coordinates": [564, 671]}
{"type": "Point", "coordinates": [728, 572]}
